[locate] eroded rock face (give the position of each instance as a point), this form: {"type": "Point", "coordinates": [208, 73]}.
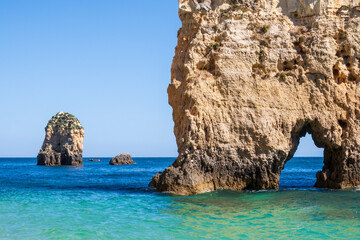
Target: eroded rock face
{"type": "Point", "coordinates": [63, 144]}
{"type": "Point", "coordinates": [249, 78]}
{"type": "Point", "coordinates": [122, 159]}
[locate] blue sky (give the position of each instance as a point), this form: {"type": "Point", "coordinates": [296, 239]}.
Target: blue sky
{"type": "Point", "coordinates": [105, 61]}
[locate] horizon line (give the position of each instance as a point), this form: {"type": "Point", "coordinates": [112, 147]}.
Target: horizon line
{"type": "Point", "coordinates": [162, 157]}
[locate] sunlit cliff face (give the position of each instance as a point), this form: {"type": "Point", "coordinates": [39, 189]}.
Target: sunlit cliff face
{"type": "Point", "coordinates": [249, 78]}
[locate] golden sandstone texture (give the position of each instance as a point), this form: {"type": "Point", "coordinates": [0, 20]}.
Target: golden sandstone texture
{"type": "Point", "coordinates": [63, 144]}
{"type": "Point", "coordinates": [249, 78]}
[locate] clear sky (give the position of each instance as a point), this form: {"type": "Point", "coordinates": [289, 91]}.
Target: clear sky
{"type": "Point", "coordinates": [105, 61]}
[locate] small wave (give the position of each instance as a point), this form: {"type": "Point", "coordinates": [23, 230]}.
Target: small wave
{"type": "Point", "coordinates": [302, 170]}
{"type": "Point", "coordinates": [143, 170]}
{"type": "Point", "coordinates": [298, 188]}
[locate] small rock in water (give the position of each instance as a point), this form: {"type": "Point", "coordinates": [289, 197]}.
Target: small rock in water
{"type": "Point", "coordinates": [94, 160]}
{"type": "Point", "coordinates": [122, 159]}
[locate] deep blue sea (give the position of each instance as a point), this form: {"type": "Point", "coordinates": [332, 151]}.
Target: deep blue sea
{"type": "Point", "coordinates": [100, 201]}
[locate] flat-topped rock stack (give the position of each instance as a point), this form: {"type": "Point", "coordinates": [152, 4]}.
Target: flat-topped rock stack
{"type": "Point", "coordinates": [63, 144]}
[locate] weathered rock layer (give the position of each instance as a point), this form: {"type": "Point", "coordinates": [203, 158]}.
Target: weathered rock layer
{"type": "Point", "coordinates": [63, 144]}
{"type": "Point", "coordinates": [249, 78]}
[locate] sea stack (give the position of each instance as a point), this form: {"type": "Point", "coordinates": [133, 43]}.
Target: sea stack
{"type": "Point", "coordinates": [249, 78]}
{"type": "Point", "coordinates": [63, 144]}
{"type": "Point", "coordinates": [122, 159]}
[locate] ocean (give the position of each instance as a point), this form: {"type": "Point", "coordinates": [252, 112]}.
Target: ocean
{"type": "Point", "coordinates": [99, 201]}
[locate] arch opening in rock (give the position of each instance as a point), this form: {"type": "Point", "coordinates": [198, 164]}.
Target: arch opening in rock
{"type": "Point", "coordinates": [300, 171]}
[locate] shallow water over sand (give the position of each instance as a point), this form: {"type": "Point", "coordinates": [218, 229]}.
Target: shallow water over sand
{"type": "Point", "coordinates": [99, 201]}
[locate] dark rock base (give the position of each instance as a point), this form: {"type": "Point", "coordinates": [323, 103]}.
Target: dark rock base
{"type": "Point", "coordinates": [198, 173]}
{"type": "Point", "coordinates": [55, 159]}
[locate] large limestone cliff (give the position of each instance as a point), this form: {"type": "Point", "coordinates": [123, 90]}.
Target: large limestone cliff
{"type": "Point", "coordinates": [249, 78]}
{"type": "Point", "coordinates": [63, 144]}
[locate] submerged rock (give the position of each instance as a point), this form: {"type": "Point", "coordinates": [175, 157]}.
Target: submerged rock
{"type": "Point", "coordinates": [122, 159]}
{"type": "Point", "coordinates": [63, 144]}
{"type": "Point", "coordinates": [94, 160]}
{"type": "Point", "coordinates": [249, 78]}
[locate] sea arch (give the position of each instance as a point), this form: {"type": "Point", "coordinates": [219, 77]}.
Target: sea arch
{"type": "Point", "coordinates": [248, 80]}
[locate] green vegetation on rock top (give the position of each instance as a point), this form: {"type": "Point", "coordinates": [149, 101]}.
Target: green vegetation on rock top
{"type": "Point", "coordinates": [66, 121]}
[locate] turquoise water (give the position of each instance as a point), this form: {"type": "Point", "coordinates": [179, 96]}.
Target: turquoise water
{"type": "Point", "coordinates": [99, 201]}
